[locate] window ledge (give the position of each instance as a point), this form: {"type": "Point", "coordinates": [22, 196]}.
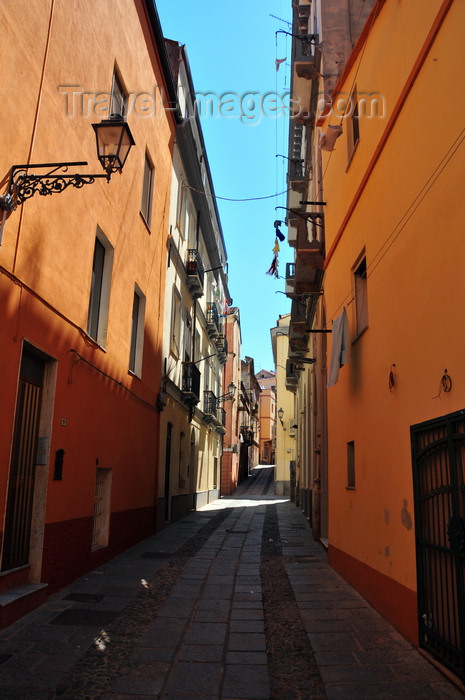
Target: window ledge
{"type": "Point", "coordinates": [94, 342]}
{"type": "Point", "coordinates": [351, 488]}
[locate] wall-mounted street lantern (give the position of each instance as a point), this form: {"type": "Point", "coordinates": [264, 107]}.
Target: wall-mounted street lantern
{"type": "Point", "coordinates": [281, 414]}
{"type": "Point", "coordinates": [114, 141]}
{"type": "Point", "coordinates": [230, 395]}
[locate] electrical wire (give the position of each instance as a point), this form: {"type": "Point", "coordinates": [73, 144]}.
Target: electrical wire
{"type": "Point", "coordinates": [233, 199]}
{"type": "Point", "coordinates": [416, 202]}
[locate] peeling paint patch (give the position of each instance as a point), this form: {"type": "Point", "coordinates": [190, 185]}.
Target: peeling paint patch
{"type": "Point", "coordinates": [405, 517]}
{"type": "Point", "coordinates": [387, 516]}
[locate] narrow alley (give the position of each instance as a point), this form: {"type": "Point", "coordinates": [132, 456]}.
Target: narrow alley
{"type": "Point", "coordinates": [234, 601]}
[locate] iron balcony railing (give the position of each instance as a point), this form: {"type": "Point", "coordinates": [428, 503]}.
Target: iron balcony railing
{"type": "Point", "coordinates": [307, 56]}
{"type": "Point", "coordinates": [191, 382]}
{"type": "Point", "coordinates": [298, 325]}
{"type": "Point", "coordinates": [222, 347]}
{"type": "Point", "coordinates": [212, 319]}
{"type": "Point", "coordinates": [195, 272]}
{"type": "Point", "coordinates": [209, 405]}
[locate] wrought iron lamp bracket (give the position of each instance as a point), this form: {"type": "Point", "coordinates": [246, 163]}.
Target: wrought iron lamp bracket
{"type": "Point", "coordinates": [227, 397]}
{"type": "Point", "coordinates": [24, 184]}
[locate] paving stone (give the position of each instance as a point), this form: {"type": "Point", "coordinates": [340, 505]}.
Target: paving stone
{"type": "Point", "coordinates": [218, 591]}
{"type": "Point", "coordinates": [202, 652]}
{"type": "Point", "coordinates": [152, 655]}
{"type": "Point", "coordinates": [349, 674]}
{"type": "Point", "coordinates": [226, 612]}
{"type": "Point", "coordinates": [328, 626]}
{"type": "Point", "coordinates": [337, 658]}
{"type": "Point", "coordinates": [211, 616]}
{"type": "Point", "coordinates": [247, 614]}
{"type": "Point", "coordinates": [246, 642]}
{"type": "Point", "coordinates": [195, 679]}
{"type": "Point", "coordinates": [246, 682]}
{"type": "Point", "coordinates": [331, 641]}
{"type": "Point", "coordinates": [247, 626]}
{"type": "Point", "coordinates": [143, 686]}
{"type": "Point", "coordinates": [217, 605]}
{"type": "Point", "coordinates": [206, 633]}
{"type": "Point", "coordinates": [246, 657]}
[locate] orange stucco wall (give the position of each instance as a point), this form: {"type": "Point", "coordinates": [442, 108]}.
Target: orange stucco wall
{"type": "Point", "coordinates": [46, 256]}
{"type": "Point", "coordinates": [398, 202]}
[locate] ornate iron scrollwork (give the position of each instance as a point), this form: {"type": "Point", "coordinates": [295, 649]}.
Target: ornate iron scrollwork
{"type": "Point", "coordinates": [24, 185]}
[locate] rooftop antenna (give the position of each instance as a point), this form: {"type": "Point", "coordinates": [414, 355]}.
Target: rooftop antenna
{"type": "Point", "coordinates": [289, 24]}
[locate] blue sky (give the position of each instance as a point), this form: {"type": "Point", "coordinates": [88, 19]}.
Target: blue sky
{"type": "Point", "coordinates": [232, 49]}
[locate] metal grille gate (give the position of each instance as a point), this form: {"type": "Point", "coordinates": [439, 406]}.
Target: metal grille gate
{"type": "Point", "coordinates": [22, 467]}
{"type": "Point", "coordinates": [439, 486]}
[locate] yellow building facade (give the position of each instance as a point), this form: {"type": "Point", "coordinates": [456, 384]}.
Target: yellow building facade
{"type": "Point", "coordinates": [392, 293]}
{"type": "Point", "coordinates": [195, 346]}
{"type": "Point", "coordinates": [285, 452]}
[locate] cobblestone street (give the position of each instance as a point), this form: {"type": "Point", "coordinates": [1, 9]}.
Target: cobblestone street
{"type": "Point", "coordinates": [234, 601]}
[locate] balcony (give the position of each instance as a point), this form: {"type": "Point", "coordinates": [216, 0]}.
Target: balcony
{"type": "Point", "coordinates": [195, 273]}
{"type": "Point", "coordinates": [222, 347]}
{"type": "Point", "coordinates": [212, 319]}
{"type": "Point", "coordinates": [210, 404]}
{"type": "Point", "coordinates": [309, 258]}
{"type": "Point", "coordinates": [290, 279]}
{"type": "Point", "coordinates": [221, 421]}
{"type": "Point", "coordinates": [296, 174]}
{"type": "Point", "coordinates": [298, 338]}
{"type": "Point", "coordinates": [247, 435]}
{"type": "Point", "coordinates": [306, 61]}
{"type": "Point", "coordinates": [190, 383]}
{"type": "Point", "coordinates": [292, 376]}
{"type": "Point", "coordinates": [297, 153]}
{"type": "Point", "coordinates": [307, 57]}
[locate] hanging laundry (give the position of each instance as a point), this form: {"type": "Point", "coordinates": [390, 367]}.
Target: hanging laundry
{"type": "Point", "coordinates": [226, 309]}
{"type": "Point", "coordinates": [280, 235]}
{"type": "Point", "coordinates": [340, 347]}
{"type": "Point", "coordinates": [273, 271]}
{"type": "Point", "coordinates": [278, 62]}
{"type": "Point", "coordinates": [276, 248]}
{"type": "Point", "coordinates": [328, 139]}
